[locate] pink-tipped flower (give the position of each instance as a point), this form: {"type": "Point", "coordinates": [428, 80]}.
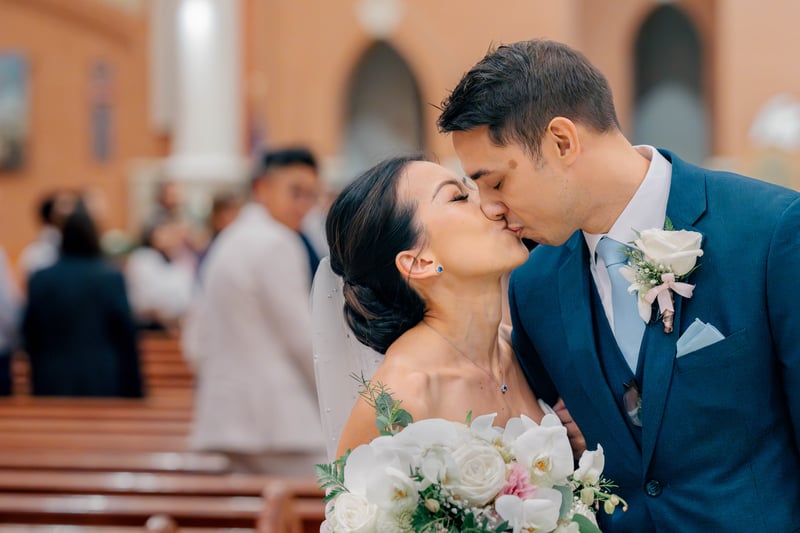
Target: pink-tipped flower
{"type": "Point", "coordinates": [519, 483]}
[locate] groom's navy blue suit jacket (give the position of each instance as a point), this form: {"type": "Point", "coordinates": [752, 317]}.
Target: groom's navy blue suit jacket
{"type": "Point", "coordinates": [720, 426]}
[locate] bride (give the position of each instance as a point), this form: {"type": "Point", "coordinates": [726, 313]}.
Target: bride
{"type": "Point", "coordinates": [422, 270]}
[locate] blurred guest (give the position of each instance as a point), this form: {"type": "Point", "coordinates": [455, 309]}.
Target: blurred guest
{"type": "Point", "coordinates": [248, 333]}
{"type": "Point", "coordinates": [77, 328]}
{"type": "Point", "coordinates": [44, 251]}
{"type": "Point", "coordinates": [291, 190]}
{"type": "Point", "coordinates": [9, 322]}
{"type": "Point", "coordinates": [169, 200]}
{"type": "Point", "coordinates": [224, 210]}
{"type": "Point", "coordinates": [160, 277]}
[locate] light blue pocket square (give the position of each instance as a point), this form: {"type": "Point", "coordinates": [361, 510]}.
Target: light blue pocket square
{"type": "Point", "coordinates": [697, 335]}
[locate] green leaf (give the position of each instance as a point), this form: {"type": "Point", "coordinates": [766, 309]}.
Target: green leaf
{"type": "Point", "coordinates": [403, 418]}
{"type": "Point", "coordinates": [668, 224]}
{"type": "Point", "coordinates": [585, 525]}
{"type": "Point", "coordinates": [388, 414]}
{"type": "Point", "coordinates": [469, 417]}
{"type": "Point", "coordinates": [331, 477]}
{"type": "Point", "coordinates": [566, 500]}
{"type": "Point", "coordinates": [384, 402]}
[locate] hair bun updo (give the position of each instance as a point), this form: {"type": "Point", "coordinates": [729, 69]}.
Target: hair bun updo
{"type": "Point", "coordinates": [367, 227]}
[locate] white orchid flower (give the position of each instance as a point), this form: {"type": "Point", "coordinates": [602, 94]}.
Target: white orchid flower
{"type": "Point", "coordinates": [539, 513]}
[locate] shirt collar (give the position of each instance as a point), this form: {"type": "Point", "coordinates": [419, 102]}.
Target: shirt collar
{"type": "Point", "coordinates": [648, 207]}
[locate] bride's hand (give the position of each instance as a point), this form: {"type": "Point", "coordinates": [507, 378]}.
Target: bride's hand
{"type": "Point", "coordinates": [573, 431]}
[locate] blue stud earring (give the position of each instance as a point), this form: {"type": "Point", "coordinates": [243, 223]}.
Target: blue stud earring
{"type": "Point", "coordinates": [439, 269]}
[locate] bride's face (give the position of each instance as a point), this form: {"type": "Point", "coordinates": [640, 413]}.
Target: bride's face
{"type": "Point", "coordinates": [457, 234]}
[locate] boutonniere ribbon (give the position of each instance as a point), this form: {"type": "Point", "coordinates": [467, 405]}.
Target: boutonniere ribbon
{"type": "Point", "coordinates": [659, 262]}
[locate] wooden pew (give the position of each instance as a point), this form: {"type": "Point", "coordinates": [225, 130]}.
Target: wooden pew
{"type": "Point", "coordinates": [40, 481]}
{"type": "Point", "coordinates": [176, 408]}
{"type": "Point", "coordinates": [111, 461]}
{"type": "Point", "coordinates": [94, 426]}
{"type": "Point", "coordinates": [151, 526]}
{"type": "Point", "coordinates": [163, 366]}
{"type": "Point", "coordinates": [114, 464]}
{"type": "Point", "coordinates": [289, 505]}
{"type": "Point", "coordinates": [292, 506]}
{"type": "Point", "coordinates": [130, 510]}
{"type": "Point", "coordinates": [89, 442]}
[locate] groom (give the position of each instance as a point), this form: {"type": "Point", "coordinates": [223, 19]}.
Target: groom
{"type": "Point", "coordinates": [699, 439]}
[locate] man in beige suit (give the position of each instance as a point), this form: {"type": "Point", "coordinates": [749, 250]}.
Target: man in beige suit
{"type": "Point", "coordinates": [248, 334]}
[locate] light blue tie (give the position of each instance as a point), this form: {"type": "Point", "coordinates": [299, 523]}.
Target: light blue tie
{"type": "Point", "coordinates": [628, 325]}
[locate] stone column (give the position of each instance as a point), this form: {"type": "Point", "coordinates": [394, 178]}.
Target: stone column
{"type": "Point", "coordinates": [207, 129]}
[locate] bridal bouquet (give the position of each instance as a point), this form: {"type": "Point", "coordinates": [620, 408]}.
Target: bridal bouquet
{"type": "Point", "coordinates": [442, 476]}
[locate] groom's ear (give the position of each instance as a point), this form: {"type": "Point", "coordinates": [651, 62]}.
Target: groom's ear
{"type": "Point", "coordinates": [412, 264]}
{"type": "Point", "coordinates": [563, 135]}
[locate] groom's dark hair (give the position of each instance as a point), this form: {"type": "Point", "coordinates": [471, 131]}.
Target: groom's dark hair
{"type": "Point", "coordinates": [367, 226]}
{"type": "Point", "coordinates": [517, 89]}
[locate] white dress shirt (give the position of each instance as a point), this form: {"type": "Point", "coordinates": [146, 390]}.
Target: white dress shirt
{"type": "Point", "coordinates": [248, 335]}
{"type": "Point", "coordinates": [646, 210]}
{"type": "Point", "coordinates": [41, 253]}
{"type": "Point", "coordinates": [158, 286]}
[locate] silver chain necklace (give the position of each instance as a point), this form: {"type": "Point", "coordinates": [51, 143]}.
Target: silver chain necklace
{"type": "Point", "coordinates": [503, 386]}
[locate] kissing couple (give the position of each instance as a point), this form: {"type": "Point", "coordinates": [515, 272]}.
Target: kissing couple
{"type": "Point", "coordinates": [688, 377]}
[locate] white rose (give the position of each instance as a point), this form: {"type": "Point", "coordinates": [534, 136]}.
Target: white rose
{"type": "Point", "coordinates": [590, 466]}
{"type": "Point", "coordinates": [482, 473]}
{"type": "Point", "coordinates": [352, 513]}
{"type": "Point", "coordinates": [677, 249]}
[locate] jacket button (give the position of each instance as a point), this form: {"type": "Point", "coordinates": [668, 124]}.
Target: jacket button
{"type": "Point", "coordinates": [653, 488]}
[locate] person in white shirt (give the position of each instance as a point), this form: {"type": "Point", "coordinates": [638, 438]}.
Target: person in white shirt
{"type": "Point", "coordinates": [43, 252]}
{"type": "Point", "coordinates": [248, 332]}
{"type": "Point", "coordinates": [160, 276]}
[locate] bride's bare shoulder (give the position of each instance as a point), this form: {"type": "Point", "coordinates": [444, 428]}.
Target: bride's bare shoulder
{"type": "Point", "coordinates": [408, 381]}
{"type": "Point", "coordinates": [411, 385]}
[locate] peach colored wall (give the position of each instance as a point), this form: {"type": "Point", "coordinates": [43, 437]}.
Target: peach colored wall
{"type": "Point", "coordinates": [299, 57]}
{"type": "Point", "coordinates": [61, 41]}
{"type": "Point", "coordinates": [306, 50]}
{"type": "Point", "coordinates": [756, 61]}
{"type": "Point", "coordinates": [304, 53]}
{"type": "Point", "coordinates": [608, 38]}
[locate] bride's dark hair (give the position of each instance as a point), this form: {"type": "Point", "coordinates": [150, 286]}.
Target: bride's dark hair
{"type": "Point", "coordinates": [367, 227]}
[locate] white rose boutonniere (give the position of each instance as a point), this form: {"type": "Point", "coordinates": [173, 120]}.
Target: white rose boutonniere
{"type": "Point", "coordinates": [660, 261]}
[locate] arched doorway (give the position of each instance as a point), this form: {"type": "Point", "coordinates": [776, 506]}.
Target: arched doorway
{"type": "Point", "coordinates": [384, 111]}
{"type": "Point", "coordinates": [670, 110]}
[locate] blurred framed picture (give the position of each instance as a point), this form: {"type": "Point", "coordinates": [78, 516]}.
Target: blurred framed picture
{"type": "Point", "coordinates": [101, 91]}
{"type": "Point", "coordinates": [13, 110]}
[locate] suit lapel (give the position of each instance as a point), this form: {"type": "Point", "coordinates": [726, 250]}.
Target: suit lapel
{"type": "Point", "coordinates": [583, 365]}
{"type": "Point", "coordinates": [686, 204]}
{"type": "Point", "coordinates": [658, 362]}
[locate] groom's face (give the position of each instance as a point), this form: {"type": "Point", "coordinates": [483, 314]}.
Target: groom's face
{"type": "Point", "coordinates": [533, 195]}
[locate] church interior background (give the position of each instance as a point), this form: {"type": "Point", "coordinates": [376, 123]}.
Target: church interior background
{"type": "Point", "coordinates": [114, 95]}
